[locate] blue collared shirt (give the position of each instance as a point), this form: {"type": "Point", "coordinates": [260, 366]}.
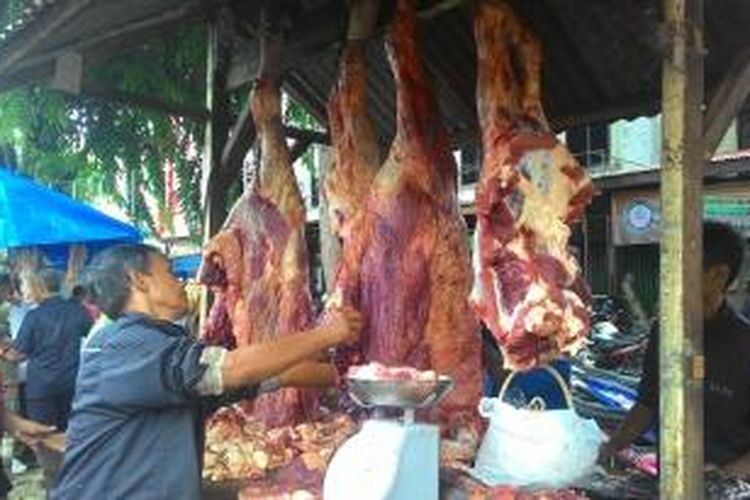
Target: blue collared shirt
{"type": "Point", "coordinates": [136, 428]}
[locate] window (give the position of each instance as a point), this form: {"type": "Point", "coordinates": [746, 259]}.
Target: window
{"type": "Point", "coordinates": [589, 144]}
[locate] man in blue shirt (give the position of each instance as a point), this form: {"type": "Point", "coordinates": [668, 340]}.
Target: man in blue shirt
{"type": "Point", "coordinates": [50, 338]}
{"type": "Point", "coordinates": [136, 430]}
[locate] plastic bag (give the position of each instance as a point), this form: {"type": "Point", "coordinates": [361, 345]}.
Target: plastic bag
{"type": "Point", "coordinates": [550, 448]}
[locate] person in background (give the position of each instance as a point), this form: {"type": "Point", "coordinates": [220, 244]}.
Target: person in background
{"type": "Point", "coordinates": [24, 430]}
{"type": "Point", "coordinates": [727, 354]}
{"type": "Point", "coordinates": [50, 338]}
{"type": "Point", "coordinates": [15, 310]}
{"type": "Point", "coordinates": [80, 294]}
{"type": "Point", "coordinates": [11, 293]}
{"type": "Point", "coordinates": [145, 385]}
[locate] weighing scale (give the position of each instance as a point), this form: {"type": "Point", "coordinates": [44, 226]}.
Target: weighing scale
{"type": "Point", "coordinates": [391, 457]}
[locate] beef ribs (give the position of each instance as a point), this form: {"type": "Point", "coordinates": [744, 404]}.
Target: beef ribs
{"type": "Point", "coordinates": [528, 288]}
{"type": "Point", "coordinates": [406, 263]}
{"type": "Point", "coordinates": [258, 261]}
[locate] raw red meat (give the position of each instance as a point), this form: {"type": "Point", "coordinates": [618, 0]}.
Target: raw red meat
{"type": "Point", "coordinates": [529, 289]}
{"type": "Point", "coordinates": [457, 483]}
{"type": "Point", "coordinates": [406, 266]}
{"type": "Point", "coordinates": [278, 460]}
{"type": "Point", "coordinates": [258, 262]}
{"type": "Point", "coordinates": [376, 371]}
{"type": "Point", "coordinates": [356, 156]}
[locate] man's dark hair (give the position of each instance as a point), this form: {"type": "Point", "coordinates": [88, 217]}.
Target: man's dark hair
{"type": "Point", "coordinates": [108, 275]}
{"type": "Point", "coordinates": [78, 292]}
{"type": "Point", "coordinates": [722, 245]}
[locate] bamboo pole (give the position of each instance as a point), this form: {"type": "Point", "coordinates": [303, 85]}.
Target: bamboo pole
{"type": "Point", "coordinates": [681, 335]}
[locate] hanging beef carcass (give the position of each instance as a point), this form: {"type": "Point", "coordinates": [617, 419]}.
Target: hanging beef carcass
{"type": "Point", "coordinates": [529, 289]}
{"type": "Point", "coordinates": [257, 263]}
{"type": "Point", "coordinates": [406, 263]}
{"type": "Point", "coordinates": [356, 156]}
{"type": "Point", "coordinates": [355, 151]}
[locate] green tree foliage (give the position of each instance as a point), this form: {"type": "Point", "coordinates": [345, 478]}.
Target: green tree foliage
{"type": "Point", "coordinates": [100, 148]}
{"type": "Point", "coordinates": [95, 148]}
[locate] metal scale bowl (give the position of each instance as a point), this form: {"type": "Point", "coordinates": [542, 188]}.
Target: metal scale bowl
{"type": "Point", "coordinates": [396, 458]}
{"type": "Point", "coordinates": [407, 395]}
{"type": "Point", "coordinates": [399, 393]}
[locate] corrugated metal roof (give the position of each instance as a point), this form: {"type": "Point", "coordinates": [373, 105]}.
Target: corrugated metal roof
{"type": "Point", "coordinates": [602, 61]}
{"type": "Point", "coordinates": [602, 57]}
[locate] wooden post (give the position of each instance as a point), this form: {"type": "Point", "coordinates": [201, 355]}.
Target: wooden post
{"type": "Point", "coordinates": [216, 182]}
{"type": "Point", "coordinates": [611, 252]}
{"type": "Point", "coordinates": [586, 255]}
{"type": "Point", "coordinates": [681, 335]}
{"type": "Point", "coordinates": [215, 185]}
{"type": "Point", "coordinates": [726, 102]}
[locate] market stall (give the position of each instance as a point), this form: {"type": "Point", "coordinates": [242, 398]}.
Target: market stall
{"type": "Point", "coordinates": [601, 61]}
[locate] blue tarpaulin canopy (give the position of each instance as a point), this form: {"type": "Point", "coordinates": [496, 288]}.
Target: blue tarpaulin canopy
{"type": "Point", "coordinates": [186, 266]}
{"type": "Point", "coordinates": [33, 215]}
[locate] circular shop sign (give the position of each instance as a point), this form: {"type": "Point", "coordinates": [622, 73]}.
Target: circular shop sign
{"type": "Point", "coordinates": [639, 216]}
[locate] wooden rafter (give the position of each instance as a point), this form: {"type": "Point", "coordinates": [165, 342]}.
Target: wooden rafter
{"type": "Point", "coordinates": [299, 148]}
{"type": "Point", "coordinates": [50, 20]}
{"type": "Point", "coordinates": [215, 185]}
{"type": "Point", "coordinates": [196, 113]}
{"type": "Point", "coordinates": [307, 135]}
{"type": "Point", "coordinates": [316, 33]}
{"type": "Point", "coordinates": [126, 34]}
{"type": "Point", "coordinates": [726, 102]}
{"type": "Point", "coordinates": [242, 138]}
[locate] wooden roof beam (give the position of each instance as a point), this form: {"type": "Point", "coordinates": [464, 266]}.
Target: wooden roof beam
{"type": "Point", "coordinates": [51, 19]}
{"type": "Point", "coordinates": [313, 136]}
{"type": "Point", "coordinates": [318, 33]}
{"type": "Point", "coordinates": [134, 32]}
{"type": "Point", "coordinates": [726, 102]}
{"type": "Point", "coordinates": [197, 113]}
{"type": "Point", "coordinates": [299, 148]}
{"type": "Point", "coordinates": [242, 138]}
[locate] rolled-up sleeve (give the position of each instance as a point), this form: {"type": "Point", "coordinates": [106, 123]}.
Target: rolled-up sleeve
{"type": "Point", "coordinates": [212, 381]}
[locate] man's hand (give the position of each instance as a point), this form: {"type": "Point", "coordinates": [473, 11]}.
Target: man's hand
{"type": "Point", "coordinates": [343, 326]}
{"type": "Point", "coordinates": [5, 345]}
{"type": "Point", "coordinates": [28, 431]}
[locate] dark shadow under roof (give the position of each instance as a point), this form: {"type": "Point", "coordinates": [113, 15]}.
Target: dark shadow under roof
{"type": "Point", "coordinates": [602, 57]}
